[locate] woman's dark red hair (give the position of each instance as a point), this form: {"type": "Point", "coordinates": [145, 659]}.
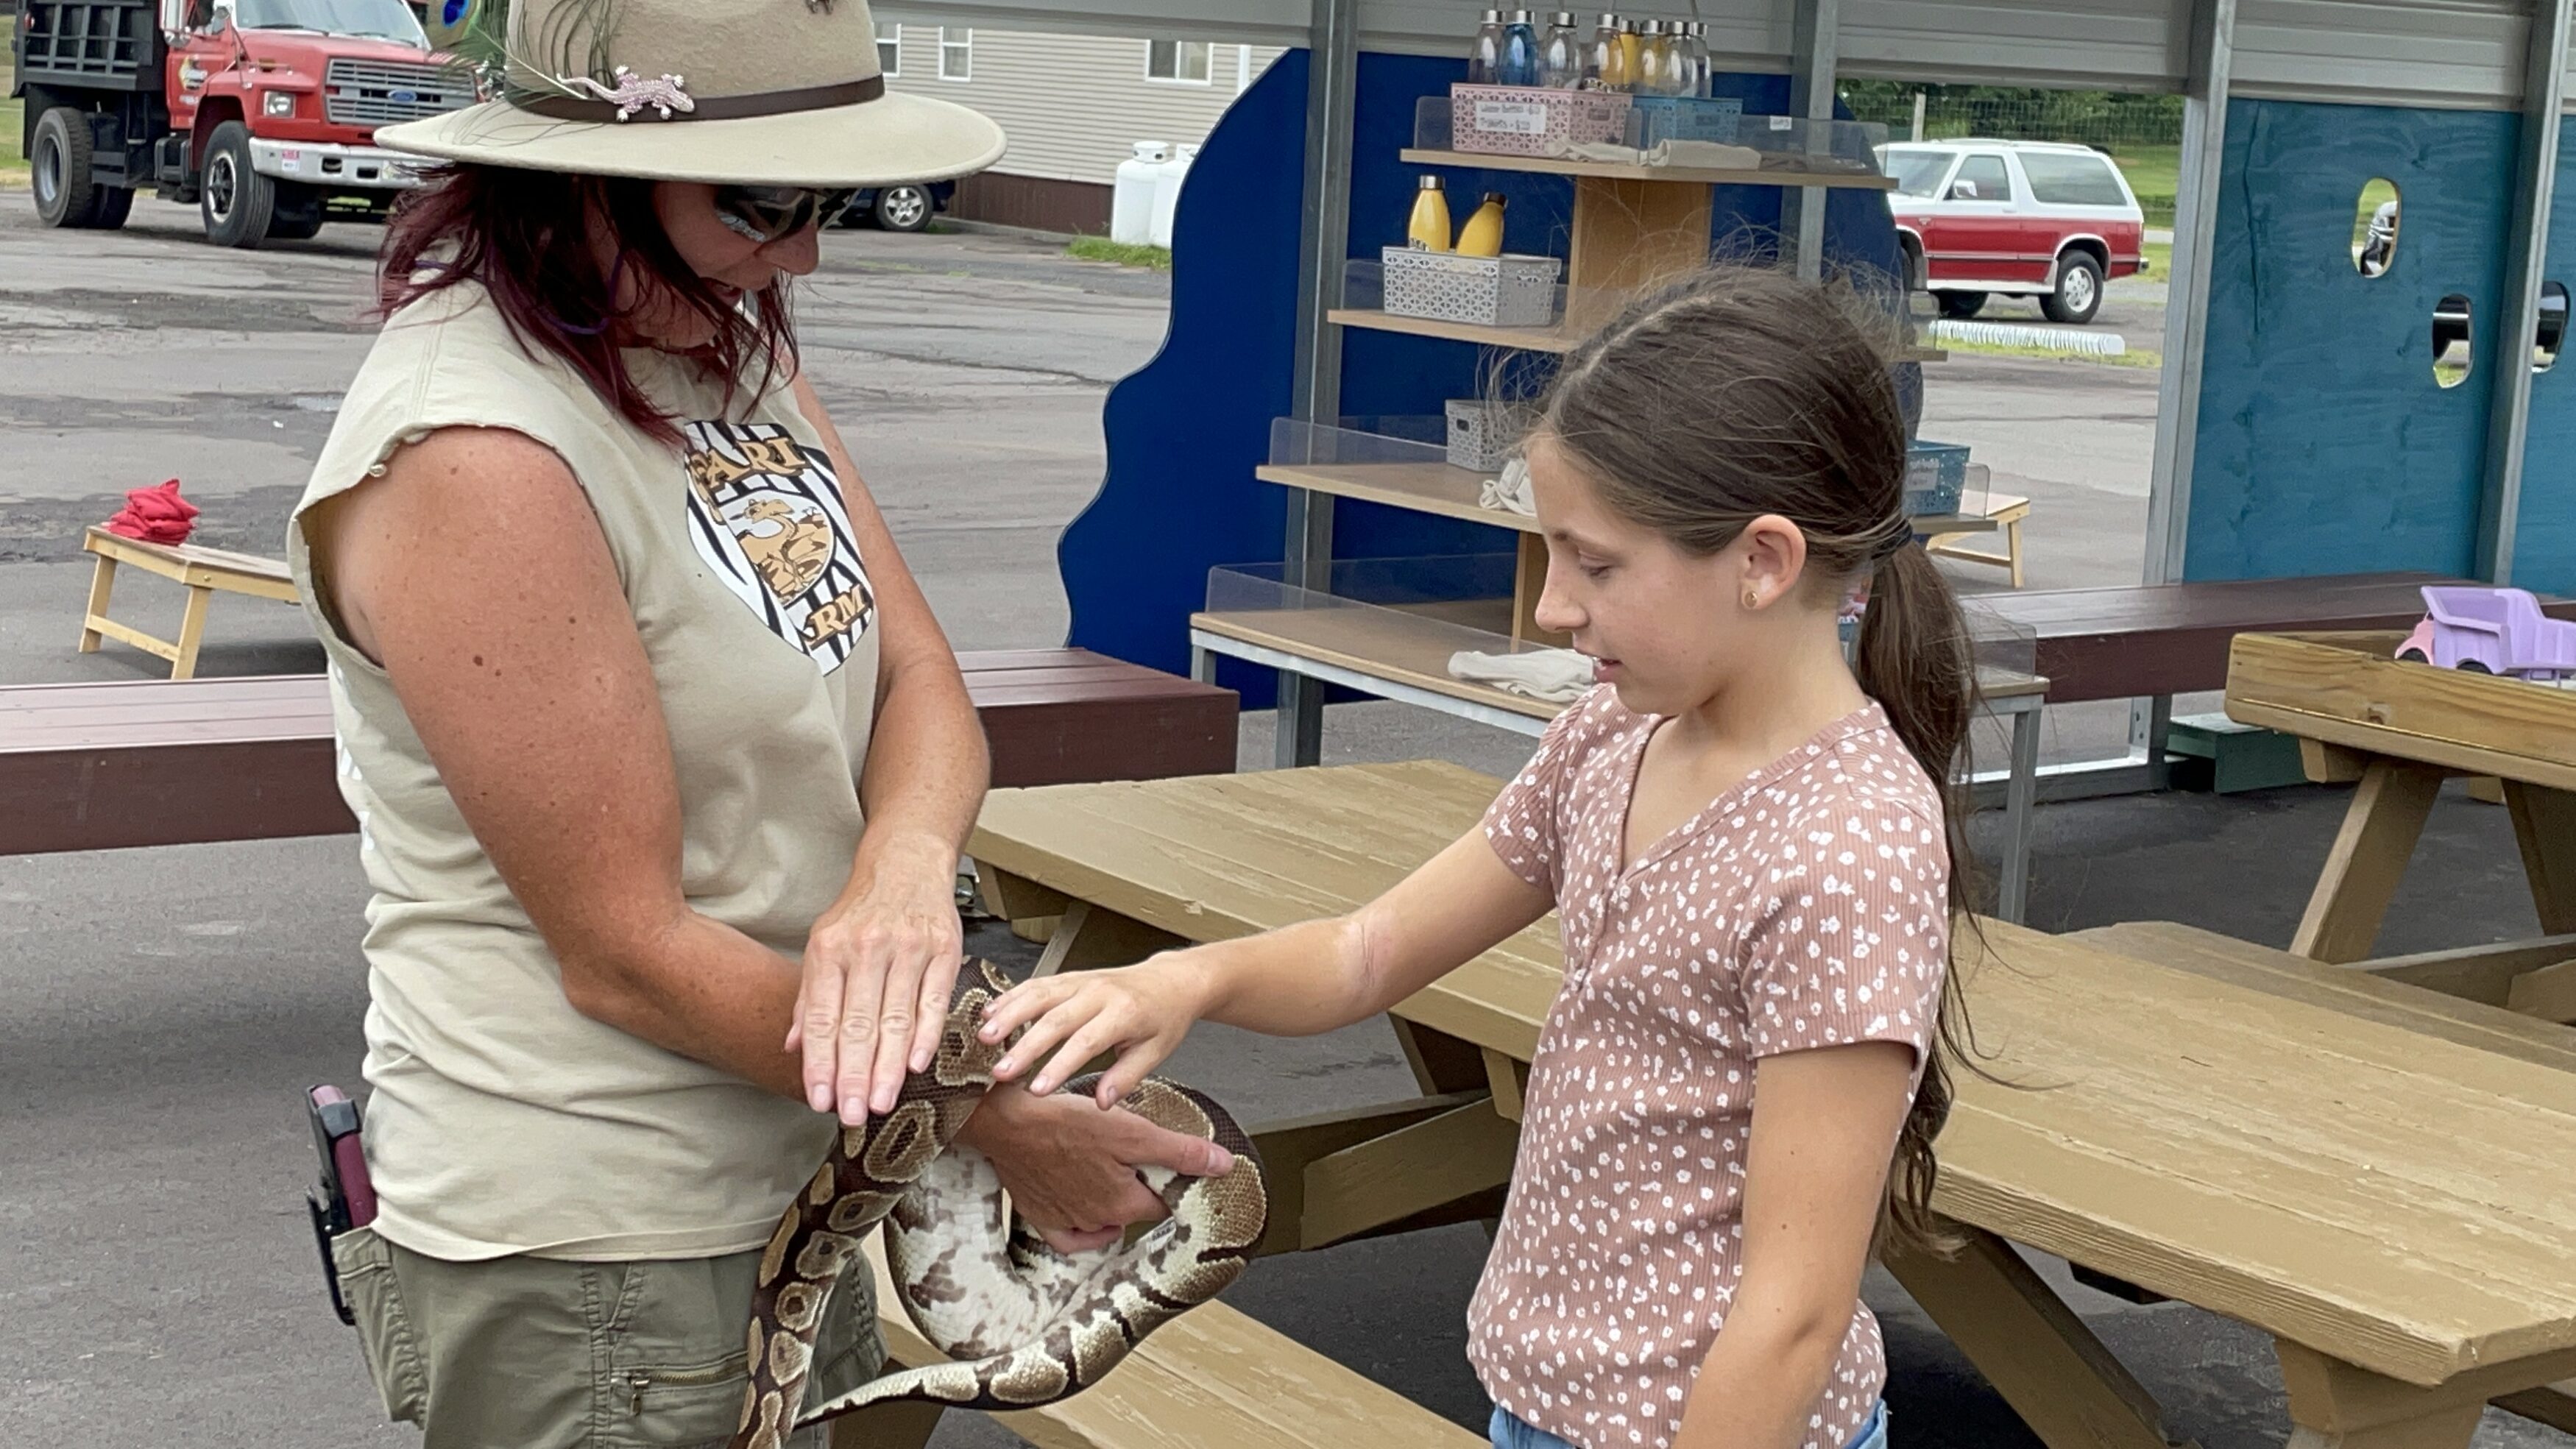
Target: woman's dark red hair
{"type": "Point", "coordinates": [530, 240]}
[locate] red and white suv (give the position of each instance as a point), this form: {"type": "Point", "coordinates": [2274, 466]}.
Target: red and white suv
{"type": "Point", "coordinates": [2020, 218]}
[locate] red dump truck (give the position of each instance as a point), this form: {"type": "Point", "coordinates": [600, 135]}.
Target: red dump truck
{"type": "Point", "coordinates": [262, 112]}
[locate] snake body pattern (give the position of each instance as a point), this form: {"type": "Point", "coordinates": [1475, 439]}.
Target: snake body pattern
{"type": "Point", "coordinates": [1024, 1325]}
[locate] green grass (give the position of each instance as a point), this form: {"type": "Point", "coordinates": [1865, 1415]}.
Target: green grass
{"type": "Point", "coordinates": [2159, 260]}
{"type": "Point", "coordinates": [2155, 173]}
{"type": "Point", "coordinates": [1102, 249]}
{"type": "Point", "coordinates": [13, 164]}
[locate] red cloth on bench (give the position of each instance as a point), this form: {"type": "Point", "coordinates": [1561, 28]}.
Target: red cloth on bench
{"type": "Point", "coordinates": [155, 515]}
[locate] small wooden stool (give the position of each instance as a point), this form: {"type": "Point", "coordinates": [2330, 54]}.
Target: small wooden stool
{"type": "Point", "coordinates": [2003, 511]}
{"type": "Point", "coordinates": [201, 570]}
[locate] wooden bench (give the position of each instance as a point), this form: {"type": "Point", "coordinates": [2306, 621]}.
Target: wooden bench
{"type": "Point", "coordinates": [2388, 1198]}
{"type": "Point", "coordinates": [2003, 513]}
{"type": "Point", "coordinates": [204, 572]}
{"type": "Point", "coordinates": [163, 762]}
{"type": "Point", "coordinates": [1212, 1377]}
{"type": "Point", "coordinates": [2167, 639]}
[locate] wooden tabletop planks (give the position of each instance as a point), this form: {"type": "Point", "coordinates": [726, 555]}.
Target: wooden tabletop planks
{"type": "Point", "coordinates": [2362, 993]}
{"type": "Point", "coordinates": [2395, 1196]}
{"type": "Point", "coordinates": [2347, 690]}
{"type": "Point", "coordinates": [1230, 857]}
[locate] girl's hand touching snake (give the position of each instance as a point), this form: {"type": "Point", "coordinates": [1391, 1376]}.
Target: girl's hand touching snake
{"type": "Point", "coordinates": [1140, 1012]}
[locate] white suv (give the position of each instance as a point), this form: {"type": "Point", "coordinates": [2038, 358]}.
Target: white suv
{"type": "Point", "coordinates": [2020, 218]}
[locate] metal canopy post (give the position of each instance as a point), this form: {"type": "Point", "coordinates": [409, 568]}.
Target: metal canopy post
{"type": "Point", "coordinates": [1323, 245]}
{"type": "Point", "coordinates": [2544, 88]}
{"type": "Point", "coordinates": [2209, 54]}
{"type": "Point", "coordinates": [2209, 49]}
{"type": "Point", "coordinates": [1814, 31]}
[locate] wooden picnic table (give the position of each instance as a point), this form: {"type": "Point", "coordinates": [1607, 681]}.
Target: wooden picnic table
{"type": "Point", "coordinates": [2389, 1202]}
{"type": "Point", "coordinates": [2397, 729]}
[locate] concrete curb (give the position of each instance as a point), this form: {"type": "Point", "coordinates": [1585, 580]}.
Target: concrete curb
{"type": "Point", "coordinates": [2046, 339]}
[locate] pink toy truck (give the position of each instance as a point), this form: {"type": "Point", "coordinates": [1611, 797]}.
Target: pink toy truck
{"type": "Point", "coordinates": [2491, 631]}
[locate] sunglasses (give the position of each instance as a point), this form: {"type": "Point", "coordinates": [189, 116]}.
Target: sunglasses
{"type": "Point", "coordinates": [766, 213]}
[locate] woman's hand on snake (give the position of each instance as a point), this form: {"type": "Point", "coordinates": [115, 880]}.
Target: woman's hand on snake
{"type": "Point", "coordinates": [1070, 1168]}
{"type": "Point", "coordinates": [1141, 1012]}
{"type": "Point", "coordinates": [879, 967]}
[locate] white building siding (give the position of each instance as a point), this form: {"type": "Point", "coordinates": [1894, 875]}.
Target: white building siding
{"type": "Point", "coordinates": [2404, 52]}
{"type": "Point", "coordinates": [1075, 105]}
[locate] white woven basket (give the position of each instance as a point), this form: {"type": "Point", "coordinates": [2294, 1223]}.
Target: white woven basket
{"type": "Point", "coordinates": [1483, 433]}
{"type": "Point", "coordinates": [1504, 291]}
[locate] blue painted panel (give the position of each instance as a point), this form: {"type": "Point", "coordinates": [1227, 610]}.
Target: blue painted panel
{"type": "Point", "coordinates": [2324, 444]}
{"type": "Point", "coordinates": [2544, 555]}
{"type": "Point", "coordinates": [1185, 432]}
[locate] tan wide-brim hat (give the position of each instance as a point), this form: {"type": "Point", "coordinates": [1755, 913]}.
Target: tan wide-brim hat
{"type": "Point", "coordinates": [757, 92]}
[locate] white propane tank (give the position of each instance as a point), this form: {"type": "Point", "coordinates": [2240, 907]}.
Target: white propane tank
{"type": "Point", "coordinates": [1167, 192]}
{"type": "Point", "coordinates": [1131, 200]}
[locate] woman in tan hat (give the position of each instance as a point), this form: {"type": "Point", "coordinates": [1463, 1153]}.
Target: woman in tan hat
{"type": "Point", "coordinates": [661, 763]}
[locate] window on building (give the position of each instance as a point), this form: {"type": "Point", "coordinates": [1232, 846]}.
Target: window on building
{"type": "Point", "coordinates": [956, 54]}
{"type": "Point", "coordinates": [890, 50]}
{"type": "Point", "coordinates": [1184, 62]}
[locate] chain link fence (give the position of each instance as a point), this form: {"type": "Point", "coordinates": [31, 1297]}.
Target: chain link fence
{"type": "Point", "coordinates": [2142, 133]}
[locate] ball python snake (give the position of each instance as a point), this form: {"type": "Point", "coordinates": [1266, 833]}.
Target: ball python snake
{"type": "Point", "coordinates": [1025, 1325]}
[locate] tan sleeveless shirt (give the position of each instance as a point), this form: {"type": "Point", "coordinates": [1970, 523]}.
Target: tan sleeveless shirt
{"type": "Point", "coordinates": [503, 1121]}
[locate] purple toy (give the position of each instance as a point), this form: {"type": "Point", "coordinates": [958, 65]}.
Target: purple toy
{"type": "Point", "coordinates": [2491, 631]}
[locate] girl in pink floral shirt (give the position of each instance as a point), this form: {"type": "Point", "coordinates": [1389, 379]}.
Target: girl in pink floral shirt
{"type": "Point", "coordinates": [1749, 853]}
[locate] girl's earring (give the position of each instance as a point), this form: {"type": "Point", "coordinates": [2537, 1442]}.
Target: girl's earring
{"type": "Point", "coordinates": [1752, 599]}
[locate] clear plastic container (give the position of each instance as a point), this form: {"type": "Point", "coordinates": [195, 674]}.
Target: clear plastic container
{"type": "Point", "coordinates": [1763, 143]}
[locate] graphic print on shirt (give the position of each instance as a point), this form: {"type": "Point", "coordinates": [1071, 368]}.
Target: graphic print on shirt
{"type": "Point", "coordinates": [766, 514]}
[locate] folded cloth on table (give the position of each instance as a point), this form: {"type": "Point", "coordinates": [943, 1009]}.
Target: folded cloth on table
{"type": "Point", "coordinates": [155, 515]}
{"type": "Point", "coordinates": [1610, 152]}
{"type": "Point", "coordinates": [1559, 676]}
{"type": "Point", "coordinates": [1511, 492]}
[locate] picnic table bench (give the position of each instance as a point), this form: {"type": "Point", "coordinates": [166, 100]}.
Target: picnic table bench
{"type": "Point", "coordinates": [2396, 730]}
{"type": "Point", "coordinates": [164, 762]}
{"type": "Point", "coordinates": [2386, 1198]}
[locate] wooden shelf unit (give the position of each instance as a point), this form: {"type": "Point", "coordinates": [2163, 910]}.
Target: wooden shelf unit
{"type": "Point", "coordinates": [1682, 175]}
{"type": "Point", "coordinates": [1422, 487]}
{"type": "Point", "coordinates": [1557, 339]}
{"type": "Point", "coordinates": [1389, 645]}
{"type": "Point", "coordinates": [1449, 492]}
{"type": "Point", "coordinates": [1632, 229]}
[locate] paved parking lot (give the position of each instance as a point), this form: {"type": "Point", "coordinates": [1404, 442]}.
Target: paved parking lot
{"type": "Point", "coordinates": [159, 1010]}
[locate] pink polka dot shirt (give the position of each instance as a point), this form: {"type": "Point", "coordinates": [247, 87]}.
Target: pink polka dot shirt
{"type": "Point", "coordinates": [1806, 907]}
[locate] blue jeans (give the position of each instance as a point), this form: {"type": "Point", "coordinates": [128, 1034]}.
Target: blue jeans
{"type": "Point", "coordinates": [1509, 1432]}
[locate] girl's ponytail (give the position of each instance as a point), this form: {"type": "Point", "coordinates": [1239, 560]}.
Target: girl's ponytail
{"type": "Point", "coordinates": [1915, 658]}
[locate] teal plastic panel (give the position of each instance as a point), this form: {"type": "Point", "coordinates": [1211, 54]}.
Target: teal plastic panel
{"type": "Point", "coordinates": [2325, 445]}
